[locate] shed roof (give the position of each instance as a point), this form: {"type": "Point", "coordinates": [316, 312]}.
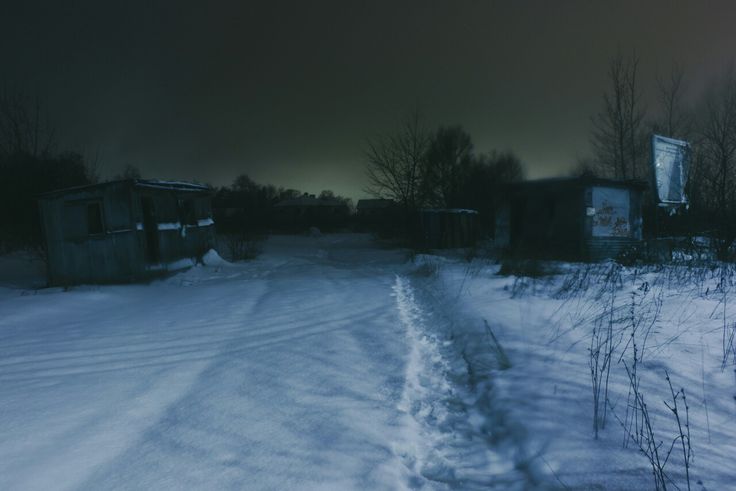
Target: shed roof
{"type": "Point", "coordinates": [576, 183]}
{"type": "Point", "coordinates": [146, 183]}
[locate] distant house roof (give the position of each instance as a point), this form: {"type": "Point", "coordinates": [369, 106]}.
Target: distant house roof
{"type": "Point", "coordinates": [373, 204]}
{"type": "Point", "coordinates": [146, 183]}
{"type": "Point", "coordinates": [310, 201]}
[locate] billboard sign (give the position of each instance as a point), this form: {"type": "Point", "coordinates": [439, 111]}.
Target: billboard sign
{"type": "Point", "coordinates": [671, 162]}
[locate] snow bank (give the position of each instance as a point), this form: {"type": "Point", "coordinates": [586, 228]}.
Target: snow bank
{"type": "Point", "coordinates": [212, 258]}
{"type": "Point", "coordinates": [22, 270]}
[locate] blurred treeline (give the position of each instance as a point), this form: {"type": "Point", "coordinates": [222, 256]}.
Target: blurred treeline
{"type": "Point", "coordinates": [30, 164]}
{"type": "Point", "coordinates": [421, 168]}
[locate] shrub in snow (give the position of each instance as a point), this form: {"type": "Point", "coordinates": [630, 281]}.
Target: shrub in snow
{"type": "Point", "coordinates": [530, 268]}
{"type": "Point", "coordinates": [243, 245]}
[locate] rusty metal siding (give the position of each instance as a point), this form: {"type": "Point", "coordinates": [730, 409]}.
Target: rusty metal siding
{"type": "Point", "coordinates": [176, 238]}
{"type": "Point", "coordinates": [118, 252]}
{"type": "Point", "coordinates": [78, 257]}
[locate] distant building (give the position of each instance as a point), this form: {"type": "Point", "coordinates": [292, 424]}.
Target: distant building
{"type": "Point", "coordinates": [573, 218]}
{"type": "Point", "coordinates": [369, 209]}
{"type": "Point", "coordinates": [309, 211]}
{"type": "Point", "coordinates": [124, 230]}
{"type": "Point", "coordinates": [380, 216]}
{"type": "Point", "coordinates": [448, 228]}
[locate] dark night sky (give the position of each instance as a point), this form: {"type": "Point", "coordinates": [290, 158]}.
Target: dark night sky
{"type": "Point", "coordinates": [288, 92]}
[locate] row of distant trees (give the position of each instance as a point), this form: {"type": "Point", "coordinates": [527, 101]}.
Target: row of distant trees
{"type": "Point", "coordinates": [248, 206]}
{"type": "Point", "coordinates": [418, 167]}
{"type": "Point", "coordinates": [621, 145]}
{"type": "Point", "coordinates": [438, 167]}
{"type": "Point", "coordinates": [30, 164]}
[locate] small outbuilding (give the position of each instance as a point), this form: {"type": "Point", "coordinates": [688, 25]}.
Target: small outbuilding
{"type": "Point", "coordinates": [124, 230]}
{"type": "Point", "coordinates": [578, 218]}
{"type": "Point", "coordinates": [308, 210]}
{"type": "Point", "coordinates": [448, 228]}
{"type": "Point", "coordinates": [381, 216]}
{"type": "Point", "coordinates": [377, 209]}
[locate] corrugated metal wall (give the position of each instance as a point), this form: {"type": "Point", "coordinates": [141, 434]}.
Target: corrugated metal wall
{"type": "Point", "coordinates": [447, 229]}
{"type": "Point", "coordinates": [568, 220]}
{"type": "Point", "coordinates": [77, 254]}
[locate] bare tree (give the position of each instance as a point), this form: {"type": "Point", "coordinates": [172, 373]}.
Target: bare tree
{"type": "Point", "coordinates": [585, 167]}
{"type": "Point", "coordinates": [397, 164]}
{"type": "Point", "coordinates": [485, 185]}
{"type": "Point", "coordinates": [449, 157]}
{"type": "Point", "coordinates": [23, 129]}
{"type": "Point", "coordinates": [29, 165]}
{"type": "Point", "coordinates": [130, 171]}
{"type": "Point", "coordinates": [675, 120]}
{"type": "Point", "coordinates": [617, 130]}
{"type": "Point", "coordinates": [717, 162]}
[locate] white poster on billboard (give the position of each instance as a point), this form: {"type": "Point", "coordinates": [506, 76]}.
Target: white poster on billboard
{"type": "Point", "coordinates": [670, 159]}
{"type": "Point", "coordinates": [610, 212]}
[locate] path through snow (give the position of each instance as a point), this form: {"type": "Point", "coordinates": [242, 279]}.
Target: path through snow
{"type": "Point", "coordinates": [299, 370]}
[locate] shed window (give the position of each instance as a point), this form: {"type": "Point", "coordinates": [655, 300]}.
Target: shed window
{"type": "Point", "coordinates": [94, 219]}
{"type": "Point", "coordinates": [187, 213]}
{"type": "Point", "coordinates": [551, 205]}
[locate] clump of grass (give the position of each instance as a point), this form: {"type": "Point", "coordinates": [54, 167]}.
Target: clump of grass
{"type": "Point", "coordinates": [649, 444]}
{"type": "Point", "coordinates": [426, 269]}
{"type": "Point", "coordinates": [503, 361]}
{"type": "Point", "coordinates": [243, 246]}
{"type": "Point", "coordinates": [529, 268]}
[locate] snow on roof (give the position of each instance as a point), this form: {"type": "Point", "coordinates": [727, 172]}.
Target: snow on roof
{"type": "Point", "coordinates": [174, 185]}
{"type": "Point", "coordinates": [149, 183]}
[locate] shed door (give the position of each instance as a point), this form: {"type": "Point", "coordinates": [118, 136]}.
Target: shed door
{"type": "Point", "coordinates": [611, 216]}
{"type": "Point", "coordinates": [150, 228]}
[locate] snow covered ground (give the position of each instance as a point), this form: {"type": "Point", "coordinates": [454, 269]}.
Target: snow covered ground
{"type": "Point", "coordinates": [332, 363]}
{"type": "Point", "coordinates": [545, 327]}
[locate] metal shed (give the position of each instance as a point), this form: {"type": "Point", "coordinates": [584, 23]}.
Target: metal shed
{"type": "Point", "coordinates": [572, 218]}
{"type": "Point", "coordinates": [124, 230]}
{"type": "Point", "coordinates": [304, 211]}
{"type": "Point", "coordinates": [448, 228]}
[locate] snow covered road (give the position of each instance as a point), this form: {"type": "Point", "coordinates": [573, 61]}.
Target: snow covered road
{"type": "Point", "coordinates": [297, 371]}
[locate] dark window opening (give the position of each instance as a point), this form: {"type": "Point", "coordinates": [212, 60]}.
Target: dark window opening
{"type": "Point", "coordinates": [551, 204]}
{"type": "Point", "coordinates": [150, 228]}
{"type": "Point", "coordinates": [94, 219]}
{"type": "Point", "coordinates": [187, 213]}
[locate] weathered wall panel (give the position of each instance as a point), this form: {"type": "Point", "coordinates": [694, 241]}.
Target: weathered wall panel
{"type": "Point", "coordinates": [575, 218]}
{"type": "Point", "coordinates": [117, 251]}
